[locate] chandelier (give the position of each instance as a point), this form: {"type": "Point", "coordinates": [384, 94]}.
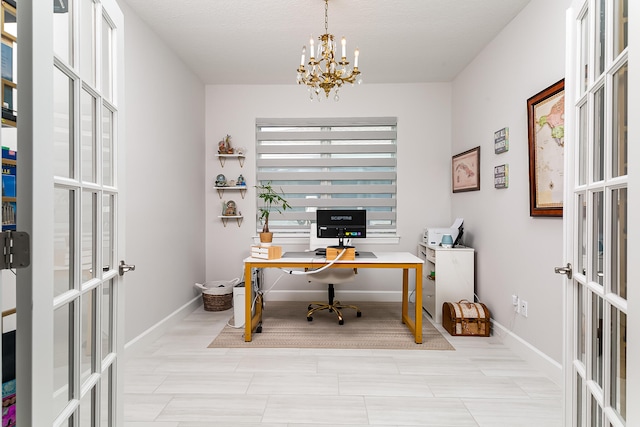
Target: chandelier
{"type": "Point", "coordinates": [324, 73]}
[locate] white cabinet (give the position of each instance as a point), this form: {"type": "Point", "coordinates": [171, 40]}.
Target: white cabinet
{"type": "Point", "coordinates": [448, 275]}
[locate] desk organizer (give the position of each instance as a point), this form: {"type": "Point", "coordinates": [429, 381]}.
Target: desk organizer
{"type": "Point", "coordinates": [266, 252]}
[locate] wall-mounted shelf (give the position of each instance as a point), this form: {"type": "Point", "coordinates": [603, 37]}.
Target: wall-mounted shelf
{"type": "Point", "coordinates": [226, 218]}
{"type": "Point", "coordinates": [223, 158]}
{"type": "Point", "coordinates": [241, 188]}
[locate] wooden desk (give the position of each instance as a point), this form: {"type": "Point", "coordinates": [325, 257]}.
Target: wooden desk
{"type": "Point", "coordinates": [404, 260]}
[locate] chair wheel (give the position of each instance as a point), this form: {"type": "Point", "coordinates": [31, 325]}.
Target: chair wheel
{"type": "Point", "coordinates": [309, 308]}
{"type": "Point", "coordinates": [309, 318]}
{"type": "Point", "coordinates": [340, 322]}
{"type": "Point", "coordinates": [359, 314]}
{"type": "Point", "coordinates": [258, 329]}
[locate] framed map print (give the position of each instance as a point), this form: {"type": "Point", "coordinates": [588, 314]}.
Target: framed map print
{"type": "Point", "coordinates": [465, 171]}
{"type": "Point", "coordinates": [545, 114]}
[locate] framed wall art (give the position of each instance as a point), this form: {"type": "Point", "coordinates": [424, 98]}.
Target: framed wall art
{"type": "Point", "coordinates": [545, 114]}
{"type": "Point", "coordinates": [465, 171]}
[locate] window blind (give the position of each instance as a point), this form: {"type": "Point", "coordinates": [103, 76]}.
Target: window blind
{"type": "Point", "coordinates": [329, 163]}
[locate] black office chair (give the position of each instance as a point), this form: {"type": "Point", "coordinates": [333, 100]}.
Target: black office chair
{"type": "Point", "coordinates": [332, 276]}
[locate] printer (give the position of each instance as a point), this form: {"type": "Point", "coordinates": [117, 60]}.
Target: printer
{"type": "Point", "coordinates": [433, 235]}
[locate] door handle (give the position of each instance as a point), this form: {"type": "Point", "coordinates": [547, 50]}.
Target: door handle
{"type": "Point", "coordinates": [565, 270]}
{"type": "Point", "coordinates": [125, 268]}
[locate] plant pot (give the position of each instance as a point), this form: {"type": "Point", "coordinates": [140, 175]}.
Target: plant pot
{"type": "Point", "coordinates": [266, 238]}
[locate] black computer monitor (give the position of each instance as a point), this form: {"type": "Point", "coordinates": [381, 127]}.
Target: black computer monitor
{"type": "Point", "coordinates": [341, 224]}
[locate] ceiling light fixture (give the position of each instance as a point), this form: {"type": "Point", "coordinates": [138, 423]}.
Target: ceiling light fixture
{"type": "Point", "coordinates": [324, 73]}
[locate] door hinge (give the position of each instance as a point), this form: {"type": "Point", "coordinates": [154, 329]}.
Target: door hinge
{"type": "Point", "coordinates": [16, 251]}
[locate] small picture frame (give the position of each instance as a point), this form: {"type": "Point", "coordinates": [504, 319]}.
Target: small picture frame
{"type": "Point", "coordinates": [465, 171]}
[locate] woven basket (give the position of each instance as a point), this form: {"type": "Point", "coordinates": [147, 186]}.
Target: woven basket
{"type": "Point", "coordinates": [217, 302]}
{"type": "Point", "coordinates": [217, 295]}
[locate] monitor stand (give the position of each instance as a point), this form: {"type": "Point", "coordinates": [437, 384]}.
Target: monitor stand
{"type": "Point", "coordinates": [340, 244]}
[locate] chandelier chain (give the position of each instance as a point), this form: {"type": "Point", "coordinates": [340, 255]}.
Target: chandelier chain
{"type": "Point", "coordinates": [326, 16]}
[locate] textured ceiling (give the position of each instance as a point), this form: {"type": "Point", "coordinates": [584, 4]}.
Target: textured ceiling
{"type": "Point", "coordinates": [259, 41]}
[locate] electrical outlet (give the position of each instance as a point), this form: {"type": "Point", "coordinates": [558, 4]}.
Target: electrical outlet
{"type": "Point", "coordinates": [524, 308]}
{"type": "Point", "coordinates": [514, 299]}
{"type": "Point", "coordinates": [516, 303]}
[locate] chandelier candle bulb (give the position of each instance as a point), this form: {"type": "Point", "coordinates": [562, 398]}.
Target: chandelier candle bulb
{"type": "Point", "coordinates": [356, 54]}
{"type": "Point", "coordinates": [304, 51]}
{"type": "Point", "coordinates": [311, 48]}
{"type": "Point", "coordinates": [344, 48]}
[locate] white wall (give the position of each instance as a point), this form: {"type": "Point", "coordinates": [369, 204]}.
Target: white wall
{"type": "Point", "coordinates": [424, 132]}
{"type": "Point", "coordinates": [516, 253]}
{"type": "Point", "coordinates": [164, 179]}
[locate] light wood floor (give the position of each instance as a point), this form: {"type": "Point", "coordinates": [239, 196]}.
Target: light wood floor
{"type": "Point", "coordinates": [179, 382]}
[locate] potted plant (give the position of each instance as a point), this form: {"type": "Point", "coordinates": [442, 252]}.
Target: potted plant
{"type": "Point", "coordinates": [271, 201]}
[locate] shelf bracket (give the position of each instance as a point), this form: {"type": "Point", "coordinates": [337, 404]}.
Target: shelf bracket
{"type": "Point", "coordinates": [225, 219]}
{"type": "Point", "coordinates": [221, 191]}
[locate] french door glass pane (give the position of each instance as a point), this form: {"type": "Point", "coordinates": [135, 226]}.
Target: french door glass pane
{"type": "Point", "coordinates": [89, 216]}
{"type": "Point", "coordinates": [106, 404]}
{"type": "Point", "coordinates": [581, 324]}
{"type": "Point", "coordinates": [107, 319]}
{"type": "Point", "coordinates": [62, 357]}
{"type": "Point", "coordinates": [597, 273]}
{"type": "Point", "coordinates": [600, 58]}
{"type": "Point", "coordinates": [597, 341]}
{"type": "Point", "coordinates": [107, 74]}
{"type": "Point", "coordinates": [63, 240]}
{"type": "Point", "coordinates": [620, 26]}
{"type": "Point", "coordinates": [596, 413]}
{"type": "Point", "coordinates": [62, 124]}
{"type": "Point", "coordinates": [619, 155]}
{"type": "Point", "coordinates": [581, 217]}
{"type": "Point", "coordinates": [584, 53]}
{"type": "Point", "coordinates": [107, 230]}
{"type": "Point", "coordinates": [619, 242]}
{"type": "Point", "coordinates": [618, 386]}
{"type": "Point", "coordinates": [63, 30]}
{"type": "Point", "coordinates": [107, 146]}
{"type": "Point", "coordinates": [583, 136]}
{"type": "Point", "coordinates": [88, 136]}
{"type": "Point", "coordinates": [578, 393]}
{"type": "Point", "coordinates": [87, 42]}
{"type": "Point", "coordinates": [87, 408]}
{"type": "Point", "coordinates": [598, 135]}
{"type": "Point", "coordinates": [88, 332]}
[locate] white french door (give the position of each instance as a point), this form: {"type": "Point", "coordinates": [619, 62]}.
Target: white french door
{"type": "Point", "coordinates": [596, 213]}
{"type": "Point", "coordinates": [70, 129]}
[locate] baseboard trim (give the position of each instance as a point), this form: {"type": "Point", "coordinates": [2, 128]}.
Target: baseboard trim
{"type": "Point", "coordinates": [158, 329]}
{"type": "Point", "coordinates": [530, 353]}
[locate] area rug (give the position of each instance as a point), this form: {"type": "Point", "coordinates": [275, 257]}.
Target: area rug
{"type": "Point", "coordinates": [285, 325]}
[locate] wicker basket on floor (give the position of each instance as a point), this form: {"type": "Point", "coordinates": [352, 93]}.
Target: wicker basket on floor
{"type": "Point", "coordinates": [217, 302]}
{"type": "Point", "coordinates": [217, 295]}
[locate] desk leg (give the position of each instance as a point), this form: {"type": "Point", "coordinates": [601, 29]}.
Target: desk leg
{"type": "Point", "coordinates": [419, 304]}
{"type": "Point", "coordinates": [248, 289]}
{"type": "Point", "coordinates": [405, 294]}
{"type": "Point", "coordinates": [414, 324]}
